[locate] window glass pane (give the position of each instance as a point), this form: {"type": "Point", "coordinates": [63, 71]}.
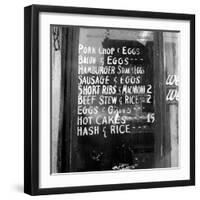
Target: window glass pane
{"type": "Point", "coordinates": [114, 99]}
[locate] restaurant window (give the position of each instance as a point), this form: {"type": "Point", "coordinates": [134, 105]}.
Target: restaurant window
{"type": "Point", "coordinates": [114, 99]}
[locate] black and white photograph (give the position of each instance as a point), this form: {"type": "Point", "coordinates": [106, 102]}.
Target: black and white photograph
{"type": "Point", "coordinates": [109, 98]}
{"type": "Point", "coordinates": [114, 99]}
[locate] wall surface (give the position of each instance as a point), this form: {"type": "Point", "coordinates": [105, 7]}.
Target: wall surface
{"type": "Point", "coordinates": [11, 101]}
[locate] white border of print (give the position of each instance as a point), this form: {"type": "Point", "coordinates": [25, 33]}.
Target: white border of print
{"type": "Point", "coordinates": [46, 180]}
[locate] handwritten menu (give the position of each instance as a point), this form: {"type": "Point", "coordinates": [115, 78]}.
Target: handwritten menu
{"type": "Point", "coordinates": [115, 97]}
{"type": "Point", "coordinates": [114, 90]}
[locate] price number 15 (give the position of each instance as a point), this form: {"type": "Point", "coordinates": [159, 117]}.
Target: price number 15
{"type": "Point", "coordinates": [150, 117]}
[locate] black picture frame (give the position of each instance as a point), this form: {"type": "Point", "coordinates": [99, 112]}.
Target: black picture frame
{"type": "Point", "coordinates": [31, 98]}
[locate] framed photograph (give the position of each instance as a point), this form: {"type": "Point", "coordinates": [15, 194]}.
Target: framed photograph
{"type": "Point", "coordinates": [109, 99]}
